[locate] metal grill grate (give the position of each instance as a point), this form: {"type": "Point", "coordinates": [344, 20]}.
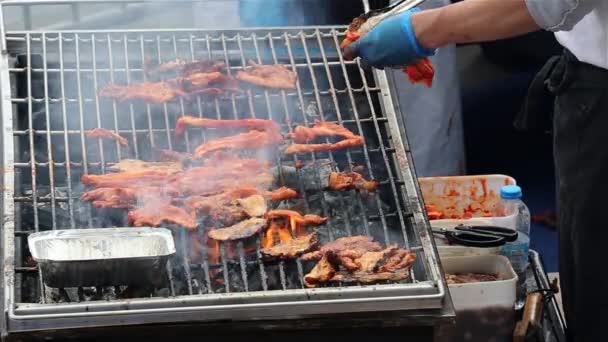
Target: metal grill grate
{"type": "Point", "coordinates": [55, 78]}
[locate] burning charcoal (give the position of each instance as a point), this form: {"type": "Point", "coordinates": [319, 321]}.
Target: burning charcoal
{"type": "Point", "coordinates": [313, 176]}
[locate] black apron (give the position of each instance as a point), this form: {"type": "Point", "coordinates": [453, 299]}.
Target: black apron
{"type": "Point", "coordinates": [575, 96]}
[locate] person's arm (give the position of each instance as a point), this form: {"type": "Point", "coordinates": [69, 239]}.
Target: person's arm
{"type": "Point", "coordinates": [472, 21]}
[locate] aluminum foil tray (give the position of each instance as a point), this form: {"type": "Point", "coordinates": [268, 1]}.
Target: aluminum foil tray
{"type": "Point", "coordinates": [102, 257]}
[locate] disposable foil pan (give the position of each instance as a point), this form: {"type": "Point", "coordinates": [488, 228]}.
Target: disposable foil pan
{"type": "Point", "coordinates": [102, 257]}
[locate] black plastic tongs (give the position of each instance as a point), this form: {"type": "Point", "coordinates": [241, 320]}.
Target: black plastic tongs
{"type": "Point", "coordinates": [478, 236]}
{"type": "Point", "coordinates": [374, 17]}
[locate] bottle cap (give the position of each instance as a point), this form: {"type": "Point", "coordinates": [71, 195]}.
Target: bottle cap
{"type": "Point", "coordinates": [510, 192]}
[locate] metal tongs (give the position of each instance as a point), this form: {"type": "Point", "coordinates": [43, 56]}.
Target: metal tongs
{"type": "Point", "coordinates": [478, 236]}
{"type": "Point", "coordinates": [375, 17]}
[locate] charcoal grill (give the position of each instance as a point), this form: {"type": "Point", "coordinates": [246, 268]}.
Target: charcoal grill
{"type": "Point", "coordinates": [49, 81]}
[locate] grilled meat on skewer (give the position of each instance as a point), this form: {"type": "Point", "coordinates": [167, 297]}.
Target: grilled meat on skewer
{"type": "Point", "coordinates": [248, 124]}
{"type": "Point", "coordinates": [270, 76]}
{"type": "Point", "coordinates": [140, 165]}
{"type": "Point", "coordinates": [158, 213]}
{"type": "Point", "coordinates": [291, 249]}
{"type": "Point", "coordinates": [103, 133]}
{"type": "Point", "coordinates": [241, 230]}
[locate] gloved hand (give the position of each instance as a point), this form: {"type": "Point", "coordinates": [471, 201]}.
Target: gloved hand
{"type": "Point", "coordinates": [392, 43]}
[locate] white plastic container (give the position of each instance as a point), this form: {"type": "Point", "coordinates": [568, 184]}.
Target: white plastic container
{"type": "Point", "coordinates": [484, 310]}
{"type": "Point", "coordinates": [460, 192]}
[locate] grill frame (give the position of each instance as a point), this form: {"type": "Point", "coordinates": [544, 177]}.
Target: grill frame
{"type": "Point", "coordinates": [238, 306]}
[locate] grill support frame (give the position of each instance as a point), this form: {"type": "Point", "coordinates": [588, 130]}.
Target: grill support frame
{"type": "Point", "coordinates": [26, 317]}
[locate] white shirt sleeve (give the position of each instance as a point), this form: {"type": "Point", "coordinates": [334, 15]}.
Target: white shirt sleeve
{"type": "Point", "coordinates": [560, 15]}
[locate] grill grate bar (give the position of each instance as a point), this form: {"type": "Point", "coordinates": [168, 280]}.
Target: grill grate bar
{"type": "Point", "coordinates": [102, 156]}
{"type": "Point", "coordinates": [114, 104]}
{"type": "Point", "coordinates": [148, 113]}
{"type": "Point", "coordinates": [31, 135]}
{"type": "Point", "coordinates": [164, 106]}
{"type": "Point", "coordinates": [131, 111]}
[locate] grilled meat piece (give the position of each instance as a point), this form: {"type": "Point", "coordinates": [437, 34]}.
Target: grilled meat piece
{"type": "Point", "coordinates": [184, 67]}
{"type": "Point", "coordinates": [293, 248]}
{"type": "Point", "coordinates": [270, 76]}
{"type": "Point", "coordinates": [125, 198]}
{"type": "Point", "coordinates": [351, 247]}
{"type": "Point", "coordinates": [369, 277]}
{"type": "Point", "coordinates": [244, 141]}
{"type": "Point", "coordinates": [253, 206]}
{"type": "Point", "coordinates": [400, 259]}
{"type": "Point", "coordinates": [153, 92]}
{"type": "Point", "coordinates": [140, 165]}
{"type": "Point", "coordinates": [295, 219]}
{"type": "Point", "coordinates": [128, 179]}
{"type": "Point", "coordinates": [103, 133]}
{"type": "Point", "coordinates": [248, 124]}
{"type": "Point", "coordinates": [370, 261]}
{"type": "Point", "coordinates": [154, 214]}
{"type": "Point", "coordinates": [302, 136]}
{"type": "Point", "coordinates": [350, 180]}
{"type": "Point", "coordinates": [282, 194]}
{"type": "Point", "coordinates": [323, 272]}
{"type": "Point", "coordinates": [305, 135]}
{"type": "Point", "coordinates": [241, 230]}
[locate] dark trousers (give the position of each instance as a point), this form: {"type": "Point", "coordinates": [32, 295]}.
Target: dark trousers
{"type": "Point", "coordinates": [580, 129]}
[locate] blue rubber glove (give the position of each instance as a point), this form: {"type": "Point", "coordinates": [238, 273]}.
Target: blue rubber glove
{"type": "Point", "coordinates": [392, 43]}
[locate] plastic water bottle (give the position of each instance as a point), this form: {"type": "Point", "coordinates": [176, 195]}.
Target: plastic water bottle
{"type": "Point", "coordinates": [516, 251]}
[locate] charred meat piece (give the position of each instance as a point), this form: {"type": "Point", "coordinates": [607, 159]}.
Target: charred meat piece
{"type": "Point", "coordinates": [371, 261]}
{"type": "Point", "coordinates": [341, 181]}
{"type": "Point", "coordinates": [247, 124]}
{"type": "Point", "coordinates": [270, 76]}
{"type": "Point", "coordinates": [400, 259]}
{"type": "Point", "coordinates": [155, 214]}
{"type": "Point", "coordinates": [302, 136]}
{"type": "Point", "coordinates": [140, 165]}
{"type": "Point", "coordinates": [323, 272]}
{"type": "Point", "coordinates": [128, 179]}
{"type": "Point", "coordinates": [153, 92]}
{"type": "Point", "coordinates": [103, 133]}
{"type": "Point", "coordinates": [369, 277]}
{"type": "Point", "coordinates": [291, 249]}
{"type": "Point", "coordinates": [197, 81]}
{"type": "Point", "coordinates": [244, 141]}
{"type": "Point", "coordinates": [352, 247]}
{"type": "Point", "coordinates": [241, 230]}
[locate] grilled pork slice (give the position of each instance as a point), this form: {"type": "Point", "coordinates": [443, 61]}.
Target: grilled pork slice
{"type": "Point", "coordinates": [154, 214]}
{"type": "Point", "coordinates": [246, 124]}
{"type": "Point", "coordinates": [251, 140]}
{"type": "Point", "coordinates": [270, 76]}
{"type": "Point", "coordinates": [118, 198]}
{"type": "Point", "coordinates": [302, 136]}
{"type": "Point", "coordinates": [128, 179]}
{"type": "Point", "coordinates": [140, 165]}
{"type": "Point", "coordinates": [323, 272]}
{"type": "Point", "coordinates": [241, 230]}
{"type": "Point", "coordinates": [369, 277]}
{"type": "Point", "coordinates": [153, 92]}
{"type": "Point", "coordinates": [103, 133]}
{"type": "Point", "coordinates": [184, 67]}
{"type": "Point", "coordinates": [281, 194]}
{"type": "Point", "coordinates": [351, 180]}
{"type": "Point", "coordinates": [293, 248]}
{"type": "Point", "coordinates": [296, 219]}
{"type": "Point", "coordinates": [350, 247]}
